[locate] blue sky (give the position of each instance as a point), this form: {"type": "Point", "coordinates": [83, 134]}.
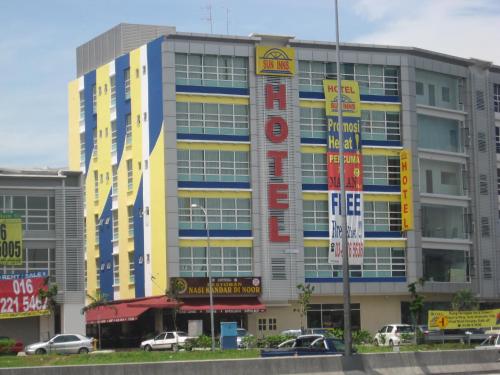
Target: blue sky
{"type": "Point", "coordinates": [38, 41]}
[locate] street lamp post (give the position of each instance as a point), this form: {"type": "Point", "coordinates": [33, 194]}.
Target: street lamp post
{"type": "Point", "coordinates": [209, 273]}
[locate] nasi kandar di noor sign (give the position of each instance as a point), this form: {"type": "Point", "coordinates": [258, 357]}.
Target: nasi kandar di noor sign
{"type": "Point", "coordinates": [353, 170]}
{"type": "Point", "coordinates": [222, 286]}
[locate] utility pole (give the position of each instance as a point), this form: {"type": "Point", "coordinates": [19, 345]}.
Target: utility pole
{"type": "Point", "coordinates": [343, 203]}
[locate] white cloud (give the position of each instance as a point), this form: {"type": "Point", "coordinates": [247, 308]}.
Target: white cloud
{"type": "Point", "coordinates": [465, 28]}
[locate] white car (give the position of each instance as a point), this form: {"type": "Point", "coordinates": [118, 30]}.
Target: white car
{"type": "Point", "coordinates": [166, 340]}
{"type": "Point", "coordinates": [240, 334]}
{"type": "Point", "coordinates": [391, 335]}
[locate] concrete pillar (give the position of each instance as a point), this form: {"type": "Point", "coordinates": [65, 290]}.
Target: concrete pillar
{"type": "Point", "coordinates": [72, 319]}
{"type": "Point", "coordinates": [158, 320]}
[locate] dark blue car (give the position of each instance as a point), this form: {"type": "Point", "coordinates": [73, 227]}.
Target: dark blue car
{"type": "Point", "coordinates": [320, 346]}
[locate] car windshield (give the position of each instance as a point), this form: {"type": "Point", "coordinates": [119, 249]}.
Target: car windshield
{"type": "Point", "coordinates": [241, 332]}
{"type": "Point", "coordinates": [404, 329]}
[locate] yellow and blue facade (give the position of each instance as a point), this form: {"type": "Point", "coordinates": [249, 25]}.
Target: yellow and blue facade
{"type": "Point", "coordinates": [186, 121]}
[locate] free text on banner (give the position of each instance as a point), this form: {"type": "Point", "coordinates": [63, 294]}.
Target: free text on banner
{"type": "Point", "coordinates": [353, 171]}
{"type": "Point", "coordinates": [19, 295]}
{"type": "Point", "coordinates": [11, 239]}
{"type": "Point", "coordinates": [463, 319]}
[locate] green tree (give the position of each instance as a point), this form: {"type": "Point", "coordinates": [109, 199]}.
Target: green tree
{"type": "Point", "coordinates": [305, 294]}
{"type": "Point", "coordinates": [464, 300]}
{"type": "Point", "coordinates": [417, 301]}
{"type": "Point", "coordinates": [48, 293]}
{"type": "Point", "coordinates": [173, 293]}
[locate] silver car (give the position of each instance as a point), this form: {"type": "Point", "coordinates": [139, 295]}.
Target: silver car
{"type": "Point", "coordinates": [62, 344]}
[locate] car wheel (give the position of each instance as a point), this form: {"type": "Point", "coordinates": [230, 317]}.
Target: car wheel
{"type": "Point", "coordinates": [175, 347]}
{"type": "Point", "coordinates": [83, 351]}
{"type": "Point", "coordinates": [148, 348]}
{"type": "Point", "coordinates": [40, 351]}
{"type": "Point", "coordinates": [391, 343]}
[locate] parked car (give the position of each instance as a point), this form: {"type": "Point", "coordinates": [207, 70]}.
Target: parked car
{"type": "Point", "coordinates": [240, 334]}
{"type": "Point", "coordinates": [166, 340]}
{"type": "Point", "coordinates": [492, 342]}
{"type": "Point", "coordinates": [11, 346]}
{"type": "Point", "coordinates": [320, 346]}
{"type": "Point", "coordinates": [62, 344]}
{"type": "Point", "coordinates": [392, 334]}
{"type": "Point", "coordinates": [300, 341]}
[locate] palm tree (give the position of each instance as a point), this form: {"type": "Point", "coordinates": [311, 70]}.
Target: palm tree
{"type": "Point", "coordinates": [464, 300]}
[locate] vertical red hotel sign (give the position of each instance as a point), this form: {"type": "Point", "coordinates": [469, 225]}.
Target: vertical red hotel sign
{"type": "Point", "coordinates": [353, 171]}
{"type": "Point", "coordinates": [277, 132]}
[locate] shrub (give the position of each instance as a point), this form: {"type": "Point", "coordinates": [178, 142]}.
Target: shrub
{"type": "Point", "coordinates": [6, 345]}
{"type": "Point", "coordinates": [271, 341]}
{"type": "Point", "coordinates": [361, 337]}
{"type": "Point", "coordinates": [249, 341]}
{"type": "Point", "coordinates": [202, 341]}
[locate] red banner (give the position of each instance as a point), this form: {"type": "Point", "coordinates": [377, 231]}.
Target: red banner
{"type": "Point", "coordinates": [19, 296]}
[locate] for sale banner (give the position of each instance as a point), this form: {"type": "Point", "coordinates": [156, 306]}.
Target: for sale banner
{"type": "Point", "coordinates": [19, 295]}
{"type": "Point", "coordinates": [463, 319]}
{"type": "Point", "coordinates": [353, 170]}
{"type": "Point", "coordinates": [11, 239]}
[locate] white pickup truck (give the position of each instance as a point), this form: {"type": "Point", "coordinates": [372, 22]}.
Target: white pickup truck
{"type": "Point", "coordinates": [166, 340]}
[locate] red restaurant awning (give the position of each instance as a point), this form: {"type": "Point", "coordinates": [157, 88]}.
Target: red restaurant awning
{"type": "Point", "coordinates": [127, 310]}
{"type": "Point", "coordinates": [119, 312]}
{"type": "Point", "coordinates": [223, 304]}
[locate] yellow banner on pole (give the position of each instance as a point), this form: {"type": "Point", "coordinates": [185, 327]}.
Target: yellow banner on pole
{"type": "Point", "coordinates": [11, 239]}
{"type": "Point", "coordinates": [406, 191]}
{"type": "Point", "coordinates": [463, 319]}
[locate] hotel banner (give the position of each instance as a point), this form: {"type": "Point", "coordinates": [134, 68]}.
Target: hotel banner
{"type": "Point", "coordinates": [406, 191]}
{"type": "Point", "coordinates": [353, 171]}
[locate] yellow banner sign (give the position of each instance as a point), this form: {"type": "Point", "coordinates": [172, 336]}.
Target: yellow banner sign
{"type": "Point", "coordinates": [275, 61]}
{"type": "Point", "coordinates": [25, 314]}
{"type": "Point", "coordinates": [463, 319]}
{"type": "Point", "coordinates": [351, 106]}
{"type": "Point", "coordinates": [11, 239]}
{"type": "Point", "coordinates": [406, 191]}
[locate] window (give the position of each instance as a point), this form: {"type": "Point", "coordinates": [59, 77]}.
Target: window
{"type": "Point", "coordinates": [332, 316]}
{"type": "Point", "coordinates": [131, 268]}
{"type": "Point", "coordinates": [130, 213]}
{"type": "Point", "coordinates": [112, 84]}
{"type": "Point", "coordinates": [98, 272]}
{"type": "Point", "coordinates": [262, 324]}
{"type": "Point", "coordinates": [82, 150]}
{"type": "Point", "coordinates": [114, 138]}
{"type": "Point", "coordinates": [94, 139]}
{"type": "Point", "coordinates": [496, 97]}
{"type": "Point", "coordinates": [313, 123]}
{"type": "Point", "coordinates": [381, 170]}
{"type": "Point", "coordinates": [96, 225]}
{"type": "Point", "coordinates": [440, 134]}
{"type": "Point", "coordinates": [96, 185]}
{"type": "Point", "coordinates": [212, 118]}
{"type": "Point", "coordinates": [211, 70]}
{"type": "Point", "coordinates": [442, 90]}
{"type": "Point", "coordinates": [116, 270]}
{"type": "Point", "coordinates": [225, 261]}
{"type": "Point", "coordinates": [130, 175]}
{"type": "Point", "coordinates": [380, 126]}
{"type": "Point", "coordinates": [128, 130]}
{"type": "Point", "coordinates": [314, 168]}
{"type": "Point", "coordinates": [114, 178]}
{"type": "Point", "coordinates": [126, 78]}
{"type": "Point", "coordinates": [94, 99]}
{"type": "Point", "coordinates": [82, 106]}
{"type": "Point", "coordinates": [213, 165]}
{"type": "Point", "coordinates": [373, 79]}
{"type": "Point", "coordinates": [445, 265]}
{"type": "Point", "coordinates": [35, 260]}
{"type": "Point", "coordinates": [271, 324]}
{"type": "Point", "coordinates": [315, 215]}
{"type": "Point", "coordinates": [36, 212]}
{"type": "Point", "coordinates": [497, 139]}
{"type": "Point", "coordinates": [223, 213]}
{"type": "Point", "coordinates": [382, 216]}
{"type": "Point", "coordinates": [439, 177]}
{"type": "Point", "coordinates": [115, 225]}
{"type": "Point", "coordinates": [498, 181]}
{"type": "Point", "coordinates": [440, 221]}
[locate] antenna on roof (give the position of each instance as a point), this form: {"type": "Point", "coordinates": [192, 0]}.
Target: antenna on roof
{"type": "Point", "coordinates": [209, 17]}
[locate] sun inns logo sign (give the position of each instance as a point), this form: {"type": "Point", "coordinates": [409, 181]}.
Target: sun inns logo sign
{"type": "Point", "coordinates": [275, 61]}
